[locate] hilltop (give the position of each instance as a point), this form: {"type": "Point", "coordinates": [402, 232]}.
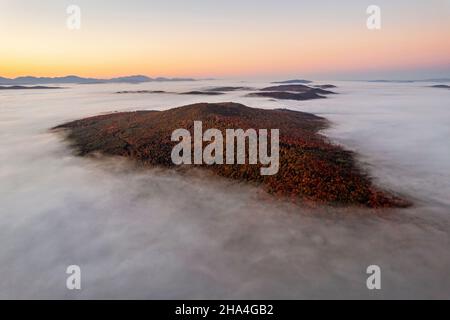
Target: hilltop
{"type": "Point", "coordinates": [293, 92]}
{"type": "Point", "coordinates": [311, 168]}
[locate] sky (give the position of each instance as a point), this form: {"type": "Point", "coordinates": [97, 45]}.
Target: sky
{"type": "Point", "coordinates": [232, 38]}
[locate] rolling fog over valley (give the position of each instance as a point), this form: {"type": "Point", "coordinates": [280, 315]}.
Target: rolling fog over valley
{"type": "Point", "coordinates": [152, 233]}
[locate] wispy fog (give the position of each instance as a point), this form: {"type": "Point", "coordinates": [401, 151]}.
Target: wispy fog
{"type": "Point", "coordinates": [155, 234]}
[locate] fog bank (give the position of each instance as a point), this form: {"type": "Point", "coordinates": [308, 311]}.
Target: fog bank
{"type": "Point", "coordinates": [157, 234]}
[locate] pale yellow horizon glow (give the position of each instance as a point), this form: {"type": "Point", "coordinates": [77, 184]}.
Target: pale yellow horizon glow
{"type": "Point", "coordinates": [98, 50]}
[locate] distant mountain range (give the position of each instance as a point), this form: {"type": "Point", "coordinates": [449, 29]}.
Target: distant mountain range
{"type": "Point", "coordinates": [27, 80]}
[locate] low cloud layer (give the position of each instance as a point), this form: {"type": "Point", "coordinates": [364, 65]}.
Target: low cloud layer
{"type": "Point", "coordinates": [156, 234]}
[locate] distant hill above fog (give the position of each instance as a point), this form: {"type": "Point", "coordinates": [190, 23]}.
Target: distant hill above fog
{"type": "Point", "coordinates": [293, 81]}
{"type": "Point", "coordinates": [27, 87]}
{"type": "Point", "coordinates": [79, 80]}
{"type": "Point", "coordinates": [441, 86]}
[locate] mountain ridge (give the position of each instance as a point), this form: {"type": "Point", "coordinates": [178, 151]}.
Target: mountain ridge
{"type": "Point", "coordinates": [24, 80]}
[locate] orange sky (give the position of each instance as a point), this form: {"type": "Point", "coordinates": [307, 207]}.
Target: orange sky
{"type": "Point", "coordinates": [114, 46]}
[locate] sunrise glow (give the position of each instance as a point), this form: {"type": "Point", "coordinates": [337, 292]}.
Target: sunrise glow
{"type": "Point", "coordinates": [231, 39]}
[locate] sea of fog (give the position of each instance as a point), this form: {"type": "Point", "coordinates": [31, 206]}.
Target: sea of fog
{"type": "Point", "coordinates": [158, 235]}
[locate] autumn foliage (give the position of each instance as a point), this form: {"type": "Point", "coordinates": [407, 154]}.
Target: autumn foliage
{"type": "Point", "coordinates": [311, 168]}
